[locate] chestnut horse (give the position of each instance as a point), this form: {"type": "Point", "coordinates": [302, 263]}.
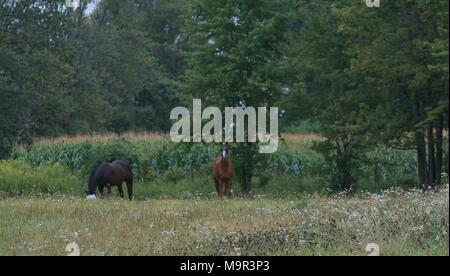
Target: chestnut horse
{"type": "Point", "coordinates": [223, 172]}
{"type": "Point", "coordinates": [107, 175]}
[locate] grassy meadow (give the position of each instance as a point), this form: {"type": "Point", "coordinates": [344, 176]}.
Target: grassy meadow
{"type": "Point", "coordinates": [291, 211]}
{"type": "Point", "coordinates": [400, 223]}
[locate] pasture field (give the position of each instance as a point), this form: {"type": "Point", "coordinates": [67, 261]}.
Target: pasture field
{"type": "Point", "coordinates": [354, 95]}
{"type": "Point", "coordinates": [291, 211]}
{"type": "Point", "coordinates": [400, 223]}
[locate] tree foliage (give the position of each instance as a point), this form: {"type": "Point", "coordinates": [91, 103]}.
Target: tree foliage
{"type": "Point", "coordinates": [368, 76]}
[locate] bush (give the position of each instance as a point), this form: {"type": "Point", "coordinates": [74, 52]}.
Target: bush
{"type": "Point", "coordinates": [120, 149]}
{"type": "Point", "coordinates": [19, 179]}
{"type": "Point", "coordinates": [174, 175]}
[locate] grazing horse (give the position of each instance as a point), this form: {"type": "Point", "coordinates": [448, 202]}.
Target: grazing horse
{"type": "Point", "coordinates": [223, 172]}
{"type": "Point", "coordinates": [107, 175]}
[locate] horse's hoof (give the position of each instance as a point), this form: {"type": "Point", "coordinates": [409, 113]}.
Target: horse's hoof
{"type": "Point", "coordinates": [91, 197]}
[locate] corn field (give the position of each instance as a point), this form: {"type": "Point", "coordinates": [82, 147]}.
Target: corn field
{"type": "Point", "coordinates": [294, 158]}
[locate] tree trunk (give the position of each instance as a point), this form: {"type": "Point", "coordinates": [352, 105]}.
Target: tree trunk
{"type": "Point", "coordinates": [439, 149]}
{"type": "Point", "coordinates": [245, 166]}
{"type": "Point", "coordinates": [422, 159]}
{"type": "Point", "coordinates": [248, 186]}
{"type": "Point", "coordinates": [421, 148]}
{"type": "Point", "coordinates": [246, 181]}
{"type": "Point", "coordinates": [431, 156]}
{"type": "Point", "coordinates": [344, 177]}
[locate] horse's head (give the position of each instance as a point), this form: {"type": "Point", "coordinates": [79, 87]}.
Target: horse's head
{"type": "Point", "coordinates": [91, 189]}
{"type": "Point", "coordinates": [90, 196]}
{"type": "Point", "coordinates": [224, 151]}
{"type": "Point", "coordinates": [92, 185]}
{"type": "Point", "coordinates": [95, 178]}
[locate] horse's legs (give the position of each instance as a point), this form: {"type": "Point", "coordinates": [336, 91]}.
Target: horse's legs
{"type": "Point", "coordinates": [222, 188]}
{"type": "Point", "coordinates": [228, 185]}
{"type": "Point", "coordinates": [119, 188]}
{"type": "Point", "coordinates": [130, 188]}
{"type": "Point", "coordinates": [101, 188]}
{"type": "Point", "coordinates": [218, 187]}
{"type": "Point", "coordinates": [109, 190]}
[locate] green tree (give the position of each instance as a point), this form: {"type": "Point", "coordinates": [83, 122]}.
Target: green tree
{"type": "Point", "coordinates": [34, 72]}
{"type": "Point", "coordinates": [401, 50]}
{"type": "Point", "coordinates": [137, 64]}
{"type": "Point", "coordinates": [236, 49]}
{"type": "Point", "coordinates": [322, 90]}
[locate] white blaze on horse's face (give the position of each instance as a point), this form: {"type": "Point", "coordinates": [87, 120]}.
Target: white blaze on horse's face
{"type": "Point", "coordinates": [224, 151]}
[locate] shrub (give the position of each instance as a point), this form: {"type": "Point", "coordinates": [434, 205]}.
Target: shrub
{"type": "Point", "coordinates": [174, 175]}
{"type": "Point", "coordinates": [20, 179]}
{"type": "Point", "coordinates": [120, 149]}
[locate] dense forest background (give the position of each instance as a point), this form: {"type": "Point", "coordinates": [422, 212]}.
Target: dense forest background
{"type": "Point", "coordinates": [362, 77]}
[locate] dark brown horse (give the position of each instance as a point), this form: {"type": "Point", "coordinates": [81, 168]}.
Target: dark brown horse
{"type": "Point", "coordinates": [107, 175]}
{"type": "Point", "coordinates": [223, 172]}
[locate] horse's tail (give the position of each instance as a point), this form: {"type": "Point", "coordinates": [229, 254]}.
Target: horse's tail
{"type": "Point", "coordinates": [130, 170]}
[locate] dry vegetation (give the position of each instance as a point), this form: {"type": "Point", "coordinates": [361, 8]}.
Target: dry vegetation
{"type": "Point", "coordinates": [402, 223]}
{"type": "Point", "coordinates": [152, 136]}
{"type": "Point", "coordinates": [99, 137]}
{"type": "Point", "coordinates": [41, 210]}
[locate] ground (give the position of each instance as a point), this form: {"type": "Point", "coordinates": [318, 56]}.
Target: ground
{"type": "Point", "coordinates": [400, 223]}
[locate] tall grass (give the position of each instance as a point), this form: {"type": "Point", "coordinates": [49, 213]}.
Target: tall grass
{"type": "Point", "coordinates": [18, 180]}
{"type": "Point", "coordinates": [294, 169]}
{"type": "Point", "coordinates": [401, 223]}
{"type": "Point", "coordinates": [102, 137]}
